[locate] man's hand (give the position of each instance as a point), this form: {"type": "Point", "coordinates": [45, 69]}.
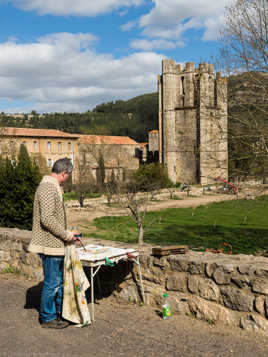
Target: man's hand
{"type": "Point", "coordinates": [76, 235]}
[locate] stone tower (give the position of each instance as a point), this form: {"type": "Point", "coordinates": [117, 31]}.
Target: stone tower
{"type": "Point", "coordinates": [192, 122]}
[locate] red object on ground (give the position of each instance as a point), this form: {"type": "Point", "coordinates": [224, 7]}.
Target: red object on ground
{"type": "Point", "coordinates": [234, 187]}
{"type": "Point", "coordinates": [220, 249]}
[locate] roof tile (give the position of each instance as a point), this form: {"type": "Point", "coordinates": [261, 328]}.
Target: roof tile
{"type": "Point", "coordinates": [9, 131]}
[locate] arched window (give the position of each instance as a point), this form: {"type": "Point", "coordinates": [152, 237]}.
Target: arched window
{"type": "Point", "coordinates": [49, 146]}
{"type": "Point", "coordinates": [59, 146]}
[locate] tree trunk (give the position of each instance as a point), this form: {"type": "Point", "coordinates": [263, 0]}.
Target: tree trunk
{"type": "Point", "coordinates": [140, 240]}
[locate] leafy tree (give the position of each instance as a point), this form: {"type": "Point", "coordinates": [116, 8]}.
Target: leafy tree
{"type": "Point", "coordinates": [151, 177]}
{"type": "Point", "coordinates": [18, 183]}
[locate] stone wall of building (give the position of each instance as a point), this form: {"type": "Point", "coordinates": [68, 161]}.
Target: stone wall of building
{"type": "Point", "coordinates": [192, 122]}
{"type": "Point", "coordinates": [232, 290]}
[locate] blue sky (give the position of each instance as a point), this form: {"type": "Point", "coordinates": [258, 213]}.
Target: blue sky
{"type": "Point", "coordinates": [70, 55]}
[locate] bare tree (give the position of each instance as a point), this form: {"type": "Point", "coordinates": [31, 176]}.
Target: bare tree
{"type": "Point", "coordinates": [244, 58]}
{"type": "Point", "coordinates": [127, 197]}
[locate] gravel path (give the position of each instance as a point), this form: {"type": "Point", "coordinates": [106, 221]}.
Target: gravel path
{"type": "Point", "coordinates": [119, 330]}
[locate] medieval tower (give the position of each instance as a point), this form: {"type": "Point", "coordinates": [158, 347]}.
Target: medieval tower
{"type": "Point", "coordinates": [192, 122]}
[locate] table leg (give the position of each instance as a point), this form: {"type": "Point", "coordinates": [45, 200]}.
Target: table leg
{"type": "Point", "coordinates": [92, 293]}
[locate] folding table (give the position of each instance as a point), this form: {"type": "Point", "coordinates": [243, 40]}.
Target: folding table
{"type": "Point", "coordinates": [95, 256]}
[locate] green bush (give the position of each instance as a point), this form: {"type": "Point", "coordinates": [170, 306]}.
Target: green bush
{"type": "Point", "coordinates": [19, 179]}
{"type": "Point", "coordinates": [150, 177]}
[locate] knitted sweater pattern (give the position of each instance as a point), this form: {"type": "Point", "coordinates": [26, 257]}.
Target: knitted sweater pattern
{"type": "Point", "coordinates": [49, 232]}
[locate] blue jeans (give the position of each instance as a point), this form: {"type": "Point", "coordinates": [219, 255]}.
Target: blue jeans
{"type": "Point", "coordinates": [52, 293]}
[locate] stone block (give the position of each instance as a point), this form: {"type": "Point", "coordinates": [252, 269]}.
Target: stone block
{"type": "Point", "coordinates": [160, 262]}
{"type": "Point", "coordinates": [221, 277]}
{"type": "Point", "coordinates": [211, 312]}
{"type": "Point", "coordinates": [3, 265]}
{"type": "Point", "coordinates": [5, 256]}
{"type": "Point", "coordinates": [193, 283]}
{"type": "Point", "coordinates": [205, 288]}
{"type": "Point", "coordinates": [246, 269]}
{"type": "Point", "coordinates": [178, 303]}
{"type": "Point", "coordinates": [196, 267]}
{"type": "Point", "coordinates": [209, 290]}
{"type": "Point", "coordinates": [236, 299]}
{"type": "Point", "coordinates": [260, 286]}
{"type": "Point", "coordinates": [262, 273]}
{"type": "Point", "coordinates": [240, 280]}
{"type": "Point", "coordinates": [178, 263]}
{"type": "Point", "coordinates": [177, 282]}
{"type": "Point", "coordinates": [17, 246]}
{"type": "Point", "coordinates": [253, 322]}
{"type": "Point", "coordinates": [210, 268]}
{"type": "Point", "coordinates": [5, 244]}
{"type": "Point", "coordinates": [154, 275]}
{"type": "Point", "coordinates": [259, 305]}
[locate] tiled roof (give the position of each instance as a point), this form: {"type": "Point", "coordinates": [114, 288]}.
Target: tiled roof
{"type": "Point", "coordinates": [36, 133]}
{"type": "Point", "coordinates": [108, 140]}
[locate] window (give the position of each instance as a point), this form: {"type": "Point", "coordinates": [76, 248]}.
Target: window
{"type": "Point", "coordinates": [59, 146]}
{"type": "Point", "coordinates": [49, 162]}
{"type": "Point", "coordinates": [35, 147]}
{"type": "Point", "coordinates": [24, 143]}
{"type": "Point", "coordinates": [69, 146]}
{"type": "Point", "coordinates": [12, 144]}
{"type": "Point", "coordinates": [48, 146]}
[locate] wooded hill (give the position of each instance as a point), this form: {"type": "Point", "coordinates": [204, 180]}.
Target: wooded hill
{"type": "Point", "coordinates": [133, 118]}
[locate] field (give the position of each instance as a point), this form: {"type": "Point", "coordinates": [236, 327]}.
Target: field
{"type": "Point", "coordinates": [242, 223]}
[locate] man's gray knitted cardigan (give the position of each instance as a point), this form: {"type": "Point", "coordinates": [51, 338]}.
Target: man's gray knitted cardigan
{"type": "Point", "coordinates": [49, 233]}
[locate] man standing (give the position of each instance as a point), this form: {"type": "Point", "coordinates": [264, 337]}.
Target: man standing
{"type": "Point", "coordinates": [49, 237]}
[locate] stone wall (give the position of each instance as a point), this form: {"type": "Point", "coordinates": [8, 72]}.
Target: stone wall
{"type": "Point", "coordinates": [14, 255]}
{"type": "Point", "coordinates": [212, 287]}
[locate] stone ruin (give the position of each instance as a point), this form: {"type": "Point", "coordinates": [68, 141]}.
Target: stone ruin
{"type": "Point", "coordinates": [192, 122]}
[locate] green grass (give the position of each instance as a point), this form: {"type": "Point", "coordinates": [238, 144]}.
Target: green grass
{"type": "Point", "coordinates": [242, 223]}
{"type": "Point", "coordinates": [75, 196]}
{"type": "Point", "coordinates": [10, 270]}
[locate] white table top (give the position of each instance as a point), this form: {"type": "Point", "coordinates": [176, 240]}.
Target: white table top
{"type": "Point", "coordinates": [96, 254]}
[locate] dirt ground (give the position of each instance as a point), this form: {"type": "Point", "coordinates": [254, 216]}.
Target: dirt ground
{"type": "Point", "coordinates": [119, 330]}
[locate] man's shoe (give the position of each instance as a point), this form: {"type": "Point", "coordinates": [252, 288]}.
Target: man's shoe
{"type": "Point", "coordinates": [62, 322]}
{"type": "Point", "coordinates": [54, 324]}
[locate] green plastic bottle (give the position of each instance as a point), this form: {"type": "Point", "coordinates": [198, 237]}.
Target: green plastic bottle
{"type": "Point", "coordinates": [166, 309]}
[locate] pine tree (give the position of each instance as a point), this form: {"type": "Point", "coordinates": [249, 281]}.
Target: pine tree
{"type": "Point", "coordinates": [18, 183]}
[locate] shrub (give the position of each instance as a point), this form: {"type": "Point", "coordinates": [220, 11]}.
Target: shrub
{"type": "Point", "coordinates": [18, 182]}
{"type": "Point", "coordinates": [150, 177]}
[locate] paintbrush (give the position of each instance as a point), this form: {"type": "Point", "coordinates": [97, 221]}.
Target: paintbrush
{"type": "Point", "coordinates": [78, 237]}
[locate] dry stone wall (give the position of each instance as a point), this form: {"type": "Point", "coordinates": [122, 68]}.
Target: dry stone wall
{"type": "Point", "coordinates": [14, 255]}
{"type": "Point", "coordinates": [213, 287]}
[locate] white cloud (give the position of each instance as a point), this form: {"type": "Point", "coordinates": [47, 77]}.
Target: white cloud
{"type": "Point", "coordinates": [146, 45]}
{"type": "Point", "coordinates": [62, 72]}
{"type": "Point", "coordinates": [128, 26]}
{"type": "Point", "coordinates": [169, 19]}
{"type": "Point", "coordinates": [74, 7]}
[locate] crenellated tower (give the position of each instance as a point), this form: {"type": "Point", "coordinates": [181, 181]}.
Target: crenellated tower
{"type": "Point", "coordinates": [192, 122]}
